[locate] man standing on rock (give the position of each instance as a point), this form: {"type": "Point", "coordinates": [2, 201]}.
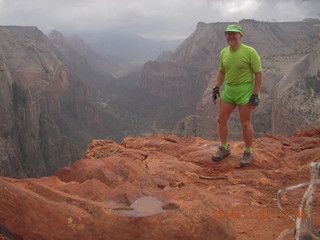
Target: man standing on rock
{"type": "Point", "coordinates": [241, 69]}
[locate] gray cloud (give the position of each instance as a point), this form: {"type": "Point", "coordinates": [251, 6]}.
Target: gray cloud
{"type": "Point", "coordinates": [157, 19]}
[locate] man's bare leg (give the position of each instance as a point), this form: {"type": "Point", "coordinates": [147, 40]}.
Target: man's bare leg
{"type": "Point", "coordinates": [247, 133]}
{"type": "Point", "coordinates": [225, 110]}
{"type": "Point", "coordinates": [247, 128]}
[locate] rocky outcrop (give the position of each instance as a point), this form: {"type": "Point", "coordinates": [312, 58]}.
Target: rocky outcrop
{"type": "Point", "coordinates": [44, 108]}
{"type": "Point", "coordinates": [163, 187]}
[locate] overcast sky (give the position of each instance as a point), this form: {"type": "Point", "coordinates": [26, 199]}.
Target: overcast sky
{"type": "Point", "coordinates": [149, 18]}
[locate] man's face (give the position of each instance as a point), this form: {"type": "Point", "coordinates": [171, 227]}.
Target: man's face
{"type": "Point", "coordinates": [233, 38]}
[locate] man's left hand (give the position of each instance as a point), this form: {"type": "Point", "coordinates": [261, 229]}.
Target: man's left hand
{"type": "Point", "coordinates": [254, 101]}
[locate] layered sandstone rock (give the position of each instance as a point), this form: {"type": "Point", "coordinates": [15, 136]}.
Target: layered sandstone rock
{"type": "Point", "coordinates": [44, 108]}
{"type": "Point", "coordinates": [163, 187]}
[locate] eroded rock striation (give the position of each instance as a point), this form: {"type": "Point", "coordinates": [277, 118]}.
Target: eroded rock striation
{"type": "Point", "coordinates": [163, 187]}
{"type": "Point", "coordinates": [44, 107]}
{"type": "Point", "coordinates": [297, 96]}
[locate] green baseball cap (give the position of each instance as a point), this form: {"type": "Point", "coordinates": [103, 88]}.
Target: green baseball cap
{"type": "Point", "coordinates": [234, 28]}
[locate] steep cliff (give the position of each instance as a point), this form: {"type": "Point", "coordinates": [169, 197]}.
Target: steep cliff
{"type": "Point", "coordinates": [297, 96]}
{"type": "Point", "coordinates": [44, 110]}
{"type": "Point", "coordinates": [187, 75]}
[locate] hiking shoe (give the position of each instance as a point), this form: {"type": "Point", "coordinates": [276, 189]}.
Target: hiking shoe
{"type": "Point", "coordinates": [246, 159]}
{"type": "Point", "coordinates": [221, 153]}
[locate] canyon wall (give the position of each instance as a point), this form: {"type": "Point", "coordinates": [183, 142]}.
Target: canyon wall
{"type": "Point", "coordinates": [44, 109]}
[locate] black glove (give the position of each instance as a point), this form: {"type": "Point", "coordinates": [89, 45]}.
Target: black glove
{"type": "Point", "coordinates": [215, 93]}
{"type": "Point", "coordinates": [254, 100]}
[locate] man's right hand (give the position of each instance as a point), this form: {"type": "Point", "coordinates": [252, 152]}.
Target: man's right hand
{"type": "Point", "coordinates": [215, 94]}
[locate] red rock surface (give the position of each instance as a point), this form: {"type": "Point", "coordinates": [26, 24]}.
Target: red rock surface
{"type": "Point", "coordinates": [2, 237]}
{"type": "Point", "coordinates": [149, 188]}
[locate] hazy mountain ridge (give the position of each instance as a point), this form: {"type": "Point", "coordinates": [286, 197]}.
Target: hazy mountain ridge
{"type": "Point", "coordinates": [108, 66]}
{"type": "Point", "coordinates": [78, 57]}
{"type": "Point", "coordinates": [126, 52]}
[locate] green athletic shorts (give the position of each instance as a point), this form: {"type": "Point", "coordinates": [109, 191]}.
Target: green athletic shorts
{"type": "Point", "coordinates": [237, 94]}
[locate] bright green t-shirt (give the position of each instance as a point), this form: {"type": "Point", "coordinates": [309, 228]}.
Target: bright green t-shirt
{"type": "Point", "coordinates": [240, 65]}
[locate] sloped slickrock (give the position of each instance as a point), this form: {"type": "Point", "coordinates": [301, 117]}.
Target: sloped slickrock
{"type": "Point", "coordinates": [164, 187]}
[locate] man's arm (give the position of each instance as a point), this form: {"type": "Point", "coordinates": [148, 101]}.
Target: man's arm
{"type": "Point", "coordinates": [257, 83]}
{"type": "Point", "coordinates": [220, 78]}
